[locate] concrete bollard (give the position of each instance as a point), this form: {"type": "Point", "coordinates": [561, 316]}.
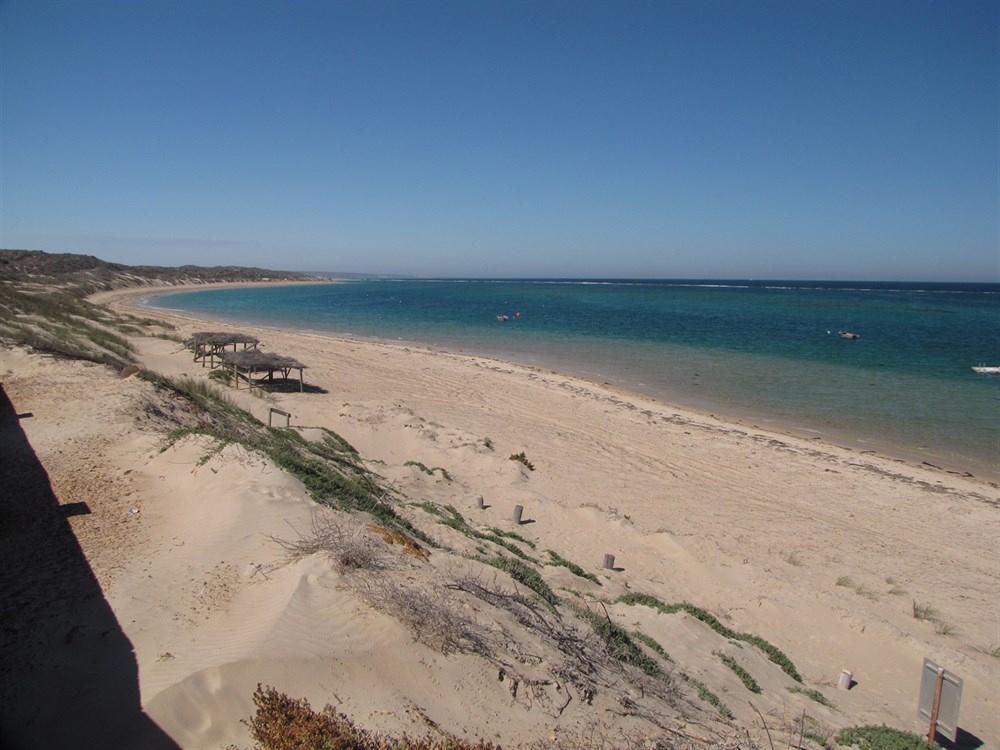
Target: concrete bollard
{"type": "Point", "coordinates": [846, 678]}
{"type": "Point", "coordinates": [515, 517]}
{"type": "Point", "coordinates": [609, 562]}
{"type": "Point", "coordinates": [481, 503]}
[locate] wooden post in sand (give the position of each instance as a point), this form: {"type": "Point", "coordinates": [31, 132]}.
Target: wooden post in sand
{"type": "Point", "coordinates": [481, 503]}
{"type": "Point", "coordinates": [609, 562]}
{"type": "Point", "coordinates": [846, 678]}
{"type": "Point", "coordinates": [936, 705]}
{"type": "Point", "coordinates": [515, 517]}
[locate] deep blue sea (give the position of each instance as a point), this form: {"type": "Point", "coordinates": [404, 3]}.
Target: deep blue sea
{"type": "Point", "coordinates": [764, 352]}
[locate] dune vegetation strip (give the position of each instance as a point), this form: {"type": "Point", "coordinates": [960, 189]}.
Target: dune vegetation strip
{"type": "Point", "coordinates": [452, 518]}
{"type": "Point", "coordinates": [707, 695]}
{"type": "Point", "coordinates": [329, 468]}
{"type": "Point", "coordinates": [872, 737]}
{"type": "Point", "coordinates": [745, 677]}
{"type": "Point", "coordinates": [811, 694]}
{"type": "Point", "coordinates": [619, 643]}
{"type": "Point", "coordinates": [525, 575]}
{"type": "Point", "coordinates": [429, 470]}
{"type": "Point", "coordinates": [556, 559]}
{"type": "Point", "coordinates": [652, 644]}
{"type": "Point", "coordinates": [773, 653]}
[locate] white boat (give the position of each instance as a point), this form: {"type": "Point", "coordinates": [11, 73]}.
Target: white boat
{"type": "Point", "coordinates": [984, 369]}
{"type": "Point", "coordinates": [849, 335]}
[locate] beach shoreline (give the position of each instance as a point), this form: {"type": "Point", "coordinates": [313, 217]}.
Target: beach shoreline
{"type": "Point", "coordinates": [135, 301]}
{"type": "Point", "coordinates": [839, 560]}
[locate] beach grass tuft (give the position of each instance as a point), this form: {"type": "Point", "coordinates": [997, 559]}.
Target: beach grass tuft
{"type": "Point", "coordinates": [924, 611]}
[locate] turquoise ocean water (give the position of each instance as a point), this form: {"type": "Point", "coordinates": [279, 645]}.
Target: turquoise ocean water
{"type": "Point", "coordinates": [765, 352]}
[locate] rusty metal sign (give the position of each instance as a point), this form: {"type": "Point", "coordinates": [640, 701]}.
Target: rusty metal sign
{"type": "Point", "coordinates": [940, 696]}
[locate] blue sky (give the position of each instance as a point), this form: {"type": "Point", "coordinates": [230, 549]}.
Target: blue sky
{"type": "Point", "coordinates": [667, 139]}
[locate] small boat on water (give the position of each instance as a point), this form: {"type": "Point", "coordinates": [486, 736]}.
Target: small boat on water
{"type": "Point", "coordinates": [984, 369]}
{"type": "Point", "coordinates": [849, 335]}
{"type": "Point", "coordinates": [503, 317]}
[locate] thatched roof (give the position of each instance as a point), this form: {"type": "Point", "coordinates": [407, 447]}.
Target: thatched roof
{"type": "Point", "coordinates": [263, 360]}
{"type": "Point", "coordinates": [221, 338]}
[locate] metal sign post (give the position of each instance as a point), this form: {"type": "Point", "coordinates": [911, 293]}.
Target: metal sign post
{"type": "Point", "coordinates": [940, 696]}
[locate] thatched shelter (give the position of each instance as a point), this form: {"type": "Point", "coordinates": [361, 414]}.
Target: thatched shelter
{"type": "Point", "coordinates": [254, 366]}
{"type": "Point", "coordinates": [211, 344]}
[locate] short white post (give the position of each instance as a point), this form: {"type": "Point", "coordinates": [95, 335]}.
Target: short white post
{"type": "Point", "coordinates": [515, 517]}
{"type": "Point", "coordinates": [609, 562]}
{"type": "Point", "coordinates": [846, 678]}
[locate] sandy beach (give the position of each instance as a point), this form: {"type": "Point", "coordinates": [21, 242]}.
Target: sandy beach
{"type": "Point", "coordinates": [824, 551]}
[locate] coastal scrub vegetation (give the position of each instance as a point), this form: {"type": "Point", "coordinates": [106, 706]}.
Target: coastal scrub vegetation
{"type": "Point", "coordinates": [773, 653]}
{"type": "Point", "coordinates": [43, 302]}
{"type": "Point", "coordinates": [57, 323]}
{"type": "Point", "coordinates": [873, 737]}
{"type": "Point", "coordinates": [283, 723]}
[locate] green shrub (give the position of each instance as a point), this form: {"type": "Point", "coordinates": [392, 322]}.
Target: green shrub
{"type": "Point", "coordinates": [873, 737]}
{"type": "Point", "coordinates": [283, 723]}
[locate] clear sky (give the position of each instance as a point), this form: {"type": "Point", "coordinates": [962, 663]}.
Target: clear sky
{"type": "Point", "coordinates": [665, 139]}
